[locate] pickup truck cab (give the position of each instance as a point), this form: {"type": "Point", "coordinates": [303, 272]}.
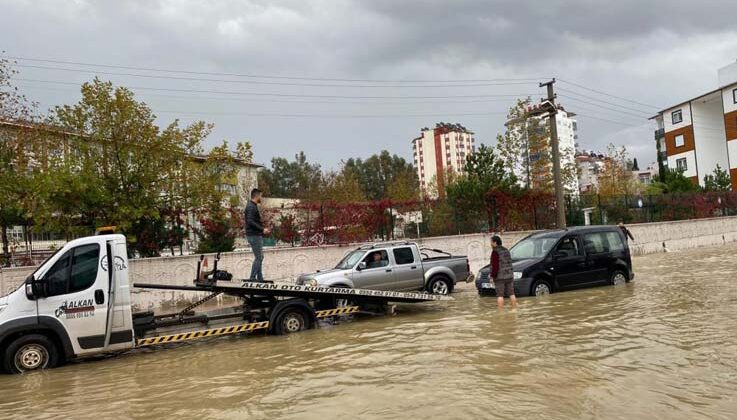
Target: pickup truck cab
{"type": "Point", "coordinates": [400, 266]}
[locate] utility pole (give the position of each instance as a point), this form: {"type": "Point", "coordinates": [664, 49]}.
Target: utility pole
{"type": "Point", "coordinates": [557, 178]}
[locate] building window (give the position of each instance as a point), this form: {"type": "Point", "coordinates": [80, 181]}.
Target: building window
{"type": "Point", "coordinates": [734, 95]}
{"type": "Point", "coordinates": [677, 116]}
{"type": "Point", "coordinates": [681, 164]}
{"type": "Point", "coordinates": [680, 141]}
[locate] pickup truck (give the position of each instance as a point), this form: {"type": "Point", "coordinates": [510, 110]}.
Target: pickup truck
{"type": "Point", "coordinates": [401, 266]}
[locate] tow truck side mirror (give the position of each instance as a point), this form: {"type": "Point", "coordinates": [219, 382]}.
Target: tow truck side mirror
{"type": "Point", "coordinates": [35, 288]}
{"type": "Point", "coordinates": [361, 266]}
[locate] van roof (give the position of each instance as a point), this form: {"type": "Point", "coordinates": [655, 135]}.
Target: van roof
{"type": "Point", "coordinates": [578, 229]}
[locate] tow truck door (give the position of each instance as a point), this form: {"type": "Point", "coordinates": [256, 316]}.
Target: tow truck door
{"type": "Point", "coordinates": [76, 294]}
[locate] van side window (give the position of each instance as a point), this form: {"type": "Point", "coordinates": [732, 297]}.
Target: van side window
{"type": "Point", "coordinates": [75, 271]}
{"type": "Point", "coordinates": [615, 241]}
{"type": "Point", "coordinates": [404, 255]}
{"type": "Point", "coordinates": [595, 243]}
{"type": "Point", "coordinates": [569, 247]}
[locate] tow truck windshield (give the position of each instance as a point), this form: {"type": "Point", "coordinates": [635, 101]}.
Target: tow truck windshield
{"type": "Point", "coordinates": [350, 260]}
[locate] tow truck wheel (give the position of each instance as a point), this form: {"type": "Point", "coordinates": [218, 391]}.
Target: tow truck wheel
{"type": "Point", "coordinates": [439, 285]}
{"type": "Point", "coordinates": [30, 352]}
{"type": "Point", "coordinates": [291, 321]}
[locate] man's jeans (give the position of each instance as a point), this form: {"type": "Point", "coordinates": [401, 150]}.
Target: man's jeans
{"type": "Point", "coordinates": [257, 246]}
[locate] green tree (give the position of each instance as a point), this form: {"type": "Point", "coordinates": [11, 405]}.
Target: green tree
{"type": "Point", "coordinates": [677, 182]}
{"type": "Point", "coordinates": [133, 171]}
{"type": "Point", "coordinates": [385, 175]}
{"type": "Point", "coordinates": [484, 172]}
{"type": "Point", "coordinates": [296, 179]}
{"type": "Point", "coordinates": [343, 187]}
{"type": "Point", "coordinates": [719, 180]}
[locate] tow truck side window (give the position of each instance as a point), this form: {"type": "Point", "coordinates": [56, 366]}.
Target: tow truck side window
{"type": "Point", "coordinates": [76, 270]}
{"type": "Point", "coordinates": [56, 277]}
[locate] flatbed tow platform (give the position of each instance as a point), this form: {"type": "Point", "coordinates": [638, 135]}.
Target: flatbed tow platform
{"type": "Point", "coordinates": [78, 304]}
{"type": "Point", "coordinates": [267, 306]}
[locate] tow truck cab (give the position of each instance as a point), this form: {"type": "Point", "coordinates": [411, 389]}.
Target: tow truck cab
{"type": "Point", "coordinates": [77, 303]}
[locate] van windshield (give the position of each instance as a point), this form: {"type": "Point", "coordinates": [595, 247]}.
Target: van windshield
{"type": "Point", "coordinates": [350, 260]}
{"type": "Point", "coordinates": [533, 247]}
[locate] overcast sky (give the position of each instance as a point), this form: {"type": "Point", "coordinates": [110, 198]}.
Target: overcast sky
{"type": "Point", "coordinates": [652, 53]}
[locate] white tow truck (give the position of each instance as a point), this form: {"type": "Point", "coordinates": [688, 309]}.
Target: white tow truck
{"type": "Point", "coordinates": [78, 303]}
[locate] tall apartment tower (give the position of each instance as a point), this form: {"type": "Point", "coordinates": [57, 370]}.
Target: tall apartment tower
{"type": "Point", "coordinates": [701, 133]}
{"type": "Point", "coordinates": [440, 151]}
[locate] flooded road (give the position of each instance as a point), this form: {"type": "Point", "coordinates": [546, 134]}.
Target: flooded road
{"type": "Point", "coordinates": [664, 346]}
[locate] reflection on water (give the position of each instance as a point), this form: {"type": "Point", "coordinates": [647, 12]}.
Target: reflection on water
{"type": "Point", "coordinates": [662, 347]}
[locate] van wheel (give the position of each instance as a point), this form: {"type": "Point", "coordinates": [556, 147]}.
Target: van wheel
{"type": "Point", "coordinates": [618, 278]}
{"type": "Point", "coordinates": [439, 285]}
{"type": "Point", "coordinates": [30, 352]}
{"type": "Point", "coordinates": [291, 320]}
{"type": "Point", "coordinates": [541, 288]}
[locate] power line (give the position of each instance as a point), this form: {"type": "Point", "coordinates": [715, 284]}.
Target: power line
{"type": "Point", "coordinates": [252, 82]}
{"type": "Point", "coordinates": [571, 92]}
{"type": "Point", "coordinates": [262, 76]}
{"type": "Point", "coordinates": [262, 100]}
{"type": "Point", "coordinates": [602, 106]}
{"type": "Point", "coordinates": [608, 94]}
{"type": "Point", "coordinates": [336, 116]}
{"type": "Point", "coordinates": [288, 95]}
{"type": "Point", "coordinates": [628, 125]}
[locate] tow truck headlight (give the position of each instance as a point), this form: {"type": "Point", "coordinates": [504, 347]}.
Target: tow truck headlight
{"type": "Point", "coordinates": [517, 275]}
{"type": "Point", "coordinates": [313, 282]}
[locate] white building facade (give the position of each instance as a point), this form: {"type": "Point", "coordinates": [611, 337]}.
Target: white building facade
{"type": "Point", "coordinates": [701, 134]}
{"type": "Point", "coordinates": [440, 151]}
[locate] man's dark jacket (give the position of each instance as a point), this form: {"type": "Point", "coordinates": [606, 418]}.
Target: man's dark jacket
{"type": "Point", "coordinates": [254, 227]}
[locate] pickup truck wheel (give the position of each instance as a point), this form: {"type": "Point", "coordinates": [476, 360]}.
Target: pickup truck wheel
{"type": "Point", "coordinates": [290, 321]}
{"type": "Point", "coordinates": [439, 285]}
{"type": "Point", "coordinates": [30, 352]}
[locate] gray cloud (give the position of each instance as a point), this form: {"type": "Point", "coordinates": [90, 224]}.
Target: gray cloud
{"type": "Point", "coordinates": [656, 52]}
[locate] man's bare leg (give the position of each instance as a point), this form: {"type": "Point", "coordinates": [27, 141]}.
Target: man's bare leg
{"type": "Point", "coordinates": [500, 302]}
{"type": "Point", "coordinates": [513, 300]}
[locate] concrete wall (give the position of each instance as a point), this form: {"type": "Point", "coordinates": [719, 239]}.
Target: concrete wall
{"type": "Point", "coordinates": [284, 264]}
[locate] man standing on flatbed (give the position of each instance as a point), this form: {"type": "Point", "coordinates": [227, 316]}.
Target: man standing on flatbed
{"type": "Point", "coordinates": [255, 234]}
{"type": "Point", "coordinates": [502, 273]}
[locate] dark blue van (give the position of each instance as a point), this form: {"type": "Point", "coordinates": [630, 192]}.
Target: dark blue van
{"type": "Point", "coordinates": [558, 260]}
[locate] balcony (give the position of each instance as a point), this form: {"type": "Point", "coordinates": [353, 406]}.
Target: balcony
{"type": "Point", "coordinates": [659, 133]}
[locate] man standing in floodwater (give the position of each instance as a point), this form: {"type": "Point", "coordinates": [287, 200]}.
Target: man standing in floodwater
{"type": "Point", "coordinates": [501, 272]}
{"type": "Point", "coordinates": [255, 234]}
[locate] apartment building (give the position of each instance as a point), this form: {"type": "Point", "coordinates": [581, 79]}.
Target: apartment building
{"type": "Point", "coordinates": [701, 133]}
{"type": "Point", "coordinates": [590, 165]}
{"type": "Point", "coordinates": [440, 151]}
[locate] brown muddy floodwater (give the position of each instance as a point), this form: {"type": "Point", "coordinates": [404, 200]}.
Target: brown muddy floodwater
{"type": "Point", "coordinates": [664, 347]}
